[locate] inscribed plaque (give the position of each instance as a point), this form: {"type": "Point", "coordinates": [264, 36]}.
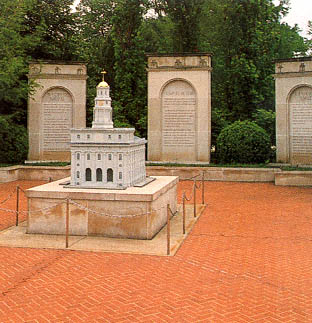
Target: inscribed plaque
{"type": "Point", "coordinates": [57, 120]}
{"type": "Point", "coordinates": [178, 120]}
{"type": "Point", "coordinates": [301, 121]}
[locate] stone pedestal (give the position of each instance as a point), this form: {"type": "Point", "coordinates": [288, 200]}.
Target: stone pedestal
{"type": "Point", "coordinates": [57, 105]}
{"type": "Point", "coordinates": [293, 83]}
{"type": "Point", "coordinates": [137, 212]}
{"type": "Point", "coordinates": [179, 107]}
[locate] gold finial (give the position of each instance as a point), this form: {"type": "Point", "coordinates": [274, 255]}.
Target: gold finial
{"type": "Point", "coordinates": [103, 74]}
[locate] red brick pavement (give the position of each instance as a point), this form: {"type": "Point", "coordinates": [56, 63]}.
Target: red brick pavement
{"type": "Point", "coordinates": [248, 259]}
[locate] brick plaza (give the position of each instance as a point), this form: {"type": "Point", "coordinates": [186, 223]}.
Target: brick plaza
{"type": "Point", "coordinates": [248, 259]}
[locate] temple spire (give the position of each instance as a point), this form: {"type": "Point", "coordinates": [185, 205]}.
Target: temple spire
{"type": "Point", "coordinates": [103, 74]}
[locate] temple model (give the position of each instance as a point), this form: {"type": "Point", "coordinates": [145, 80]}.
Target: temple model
{"type": "Point", "coordinates": [104, 156]}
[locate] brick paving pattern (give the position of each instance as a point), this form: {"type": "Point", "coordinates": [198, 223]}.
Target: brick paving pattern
{"type": "Point", "coordinates": [248, 259]}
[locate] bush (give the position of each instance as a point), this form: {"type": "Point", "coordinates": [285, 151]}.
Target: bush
{"type": "Point", "coordinates": [13, 142]}
{"type": "Point", "coordinates": [266, 120]}
{"type": "Point", "coordinates": [243, 142]}
{"type": "Point", "coordinates": [218, 122]}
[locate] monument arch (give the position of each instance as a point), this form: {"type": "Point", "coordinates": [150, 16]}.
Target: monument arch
{"type": "Point", "coordinates": [293, 105]}
{"type": "Point", "coordinates": [179, 107]}
{"type": "Point", "coordinates": [61, 85]}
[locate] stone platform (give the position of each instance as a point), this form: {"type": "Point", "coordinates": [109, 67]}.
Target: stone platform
{"type": "Point", "coordinates": [137, 212]}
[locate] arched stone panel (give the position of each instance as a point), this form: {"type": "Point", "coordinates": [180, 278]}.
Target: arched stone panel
{"type": "Point", "coordinates": [178, 107]}
{"type": "Point", "coordinates": [300, 125]}
{"type": "Point", "coordinates": [57, 110]}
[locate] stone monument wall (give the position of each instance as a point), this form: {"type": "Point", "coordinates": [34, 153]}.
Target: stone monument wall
{"type": "Point", "coordinates": [58, 104]}
{"type": "Point", "coordinates": [179, 107]}
{"type": "Point", "coordinates": [293, 80]}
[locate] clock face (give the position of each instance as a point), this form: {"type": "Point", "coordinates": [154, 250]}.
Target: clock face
{"type": "Point", "coordinates": [100, 103]}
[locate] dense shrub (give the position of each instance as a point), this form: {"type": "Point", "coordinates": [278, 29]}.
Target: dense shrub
{"type": "Point", "coordinates": [266, 120]}
{"type": "Point", "coordinates": [13, 142]}
{"type": "Point", "coordinates": [243, 142]}
{"type": "Point", "coordinates": [218, 122]}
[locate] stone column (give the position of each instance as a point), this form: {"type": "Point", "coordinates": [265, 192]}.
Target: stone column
{"type": "Point", "coordinates": [293, 85]}
{"type": "Point", "coordinates": [58, 104]}
{"type": "Point", "coordinates": [179, 107]}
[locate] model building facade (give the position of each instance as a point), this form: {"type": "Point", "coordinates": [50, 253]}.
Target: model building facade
{"type": "Point", "coordinates": [104, 156]}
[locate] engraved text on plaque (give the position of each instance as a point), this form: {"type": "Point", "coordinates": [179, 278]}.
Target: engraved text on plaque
{"type": "Point", "coordinates": [179, 120]}
{"type": "Point", "coordinates": [301, 121]}
{"type": "Point", "coordinates": [57, 120]}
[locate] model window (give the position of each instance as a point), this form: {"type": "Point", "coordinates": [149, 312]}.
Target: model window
{"type": "Point", "coordinates": [78, 136]}
{"type": "Point", "coordinates": [78, 174]}
{"type": "Point", "coordinates": [99, 176]}
{"type": "Point", "coordinates": [109, 156]}
{"type": "Point", "coordinates": [99, 156]}
{"type": "Point", "coordinates": [119, 136]}
{"type": "Point", "coordinates": [88, 175]}
{"type": "Point", "coordinates": [78, 156]}
{"type": "Point", "coordinates": [120, 175]}
{"type": "Point", "coordinates": [88, 136]}
{"type": "Point", "coordinates": [88, 156]}
{"type": "Point", "coordinates": [109, 137]}
{"type": "Point", "coordinates": [120, 156]}
{"type": "Point", "coordinates": [110, 175]}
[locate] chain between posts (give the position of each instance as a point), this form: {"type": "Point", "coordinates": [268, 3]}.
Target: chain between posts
{"type": "Point", "coordinates": [193, 196]}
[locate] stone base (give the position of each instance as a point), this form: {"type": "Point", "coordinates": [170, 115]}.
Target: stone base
{"type": "Point", "coordinates": [137, 212]}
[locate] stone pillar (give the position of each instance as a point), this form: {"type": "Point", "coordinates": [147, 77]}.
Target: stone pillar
{"type": "Point", "coordinates": [293, 85]}
{"type": "Point", "coordinates": [57, 105]}
{"type": "Point", "coordinates": [179, 107]}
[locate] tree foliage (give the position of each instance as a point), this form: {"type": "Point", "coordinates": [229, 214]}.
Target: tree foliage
{"type": "Point", "coordinates": [129, 66]}
{"type": "Point", "coordinates": [244, 36]}
{"type": "Point", "coordinates": [185, 16]}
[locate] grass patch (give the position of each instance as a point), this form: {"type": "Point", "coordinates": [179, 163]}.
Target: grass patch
{"type": "Point", "coordinates": [210, 165]}
{"type": "Point", "coordinates": [295, 168]}
{"type": "Point", "coordinates": [8, 165]}
{"type": "Point", "coordinates": [55, 164]}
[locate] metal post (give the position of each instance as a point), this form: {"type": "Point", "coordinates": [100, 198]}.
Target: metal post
{"type": "Point", "coordinates": [183, 203]}
{"type": "Point", "coordinates": [203, 188]}
{"type": "Point", "coordinates": [17, 204]}
{"type": "Point", "coordinates": [194, 198]}
{"type": "Point", "coordinates": [168, 229]}
{"type": "Point", "coordinates": [67, 221]}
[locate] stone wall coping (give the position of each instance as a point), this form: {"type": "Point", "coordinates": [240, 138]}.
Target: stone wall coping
{"type": "Point", "coordinates": [148, 193]}
{"type": "Point", "coordinates": [216, 168]}
{"type": "Point", "coordinates": [295, 59]}
{"type": "Point", "coordinates": [178, 54]}
{"type": "Point", "coordinates": [295, 172]}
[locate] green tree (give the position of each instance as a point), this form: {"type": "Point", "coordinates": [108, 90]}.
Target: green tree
{"type": "Point", "coordinates": [14, 87]}
{"type": "Point", "coordinates": [53, 24]}
{"type": "Point", "coordinates": [130, 64]}
{"type": "Point", "coordinates": [30, 29]}
{"type": "Point", "coordinates": [96, 45]}
{"type": "Point", "coordinates": [245, 37]}
{"type": "Point", "coordinates": [309, 40]}
{"type": "Point", "coordinates": [185, 16]}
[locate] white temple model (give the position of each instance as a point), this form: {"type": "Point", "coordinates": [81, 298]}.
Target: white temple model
{"type": "Point", "coordinates": [104, 156]}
